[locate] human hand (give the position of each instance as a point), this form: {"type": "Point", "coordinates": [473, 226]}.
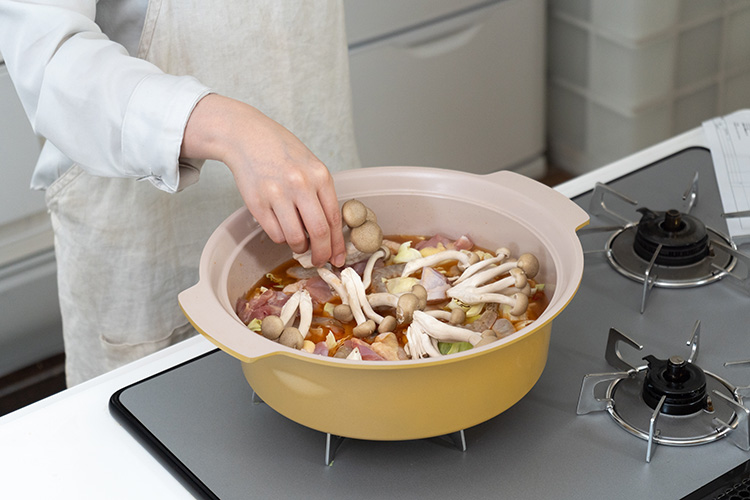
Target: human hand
{"type": "Point", "coordinates": [286, 188]}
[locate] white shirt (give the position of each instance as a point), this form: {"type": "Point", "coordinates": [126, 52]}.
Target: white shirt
{"type": "Point", "coordinates": [113, 114]}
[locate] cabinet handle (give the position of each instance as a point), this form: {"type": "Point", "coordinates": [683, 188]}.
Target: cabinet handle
{"type": "Point", "coordinates": [442, 43]}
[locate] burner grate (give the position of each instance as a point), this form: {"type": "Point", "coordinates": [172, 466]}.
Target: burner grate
{"type": "Point", "coordinates": [713, 267]}
{"type": "Point", "coordinates": [670, 249]}
{"type": "Point", "coordinates": [656, 424]}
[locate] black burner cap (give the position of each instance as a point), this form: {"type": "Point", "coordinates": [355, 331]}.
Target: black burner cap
{"type": "Point", "coordinates": [683, 383]}
{"type": "Point", "coordinates": [684, 238]}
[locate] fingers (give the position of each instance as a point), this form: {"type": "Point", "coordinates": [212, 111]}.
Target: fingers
{"type": "Point", "coordinates": [330, 204]}
{"type": "Point", "coordinates": [303, 215]}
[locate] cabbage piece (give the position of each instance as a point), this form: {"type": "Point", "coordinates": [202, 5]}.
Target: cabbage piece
{"type": "Point", "coordinates": [398, 286]}
{"type": "Point", "coordinates": [254, 325]}
{"type": "Point", "coordinates": [406, 253]}
{"type": "Point", "coordinates": [453, 347]}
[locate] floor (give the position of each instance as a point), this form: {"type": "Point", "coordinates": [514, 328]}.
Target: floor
{"type": "Point", "coordinates": [47, 377]}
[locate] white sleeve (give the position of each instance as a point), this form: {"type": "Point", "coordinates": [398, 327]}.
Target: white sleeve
{"type": "Point", "coordinates": [113, 114]}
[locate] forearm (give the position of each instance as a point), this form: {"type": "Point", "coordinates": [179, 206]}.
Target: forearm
{"type": "Point", "coordinates": [88, 97]}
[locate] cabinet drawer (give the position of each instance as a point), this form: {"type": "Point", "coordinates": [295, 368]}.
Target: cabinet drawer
{"type": "Point", "coordinates": [467, 94]}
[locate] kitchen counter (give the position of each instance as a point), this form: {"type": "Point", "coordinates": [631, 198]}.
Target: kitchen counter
{"type": "Point", "coordinates": [70, 446]}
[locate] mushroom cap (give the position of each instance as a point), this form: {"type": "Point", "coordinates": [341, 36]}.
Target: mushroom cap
{"type": "Point", "coordinates": [473, 259]}
{"type": "Point", "coordinates": [354, 213]}
{"type": "Point", "coordinates": [371, 216]}
{"type": "Point", "coordinates": [520, 277]}
{"type": "Point", "coordinates": [365, 329]}
{"type": "Point", "coordinates": [271, 327]}
{"type": "Point", "coordinates": [458, 316]}
{"type": "Point", "coordinates": [367, 237]}
{"type": "Point", "coordinates": [343, 313]}
{"type": "Point", "coordinates": [521, 304]}
{"type": "Point", "coordinates": [529, 264]}
{"type": "Point", "coordinates": [421, 292]}
{"type": "Point", "coordinates": [291, 337]}
{"type": "Point", "coordinates": [407, 304]}
{"type": "Point", "coordinates": [387, 325]}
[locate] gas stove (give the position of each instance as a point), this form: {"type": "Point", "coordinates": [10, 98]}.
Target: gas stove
{"type": "Point", "coordinates": [545, 446]}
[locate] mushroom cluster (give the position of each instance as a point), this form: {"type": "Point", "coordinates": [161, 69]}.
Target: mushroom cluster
{"type": "Point", "coordinates": [397, 302]}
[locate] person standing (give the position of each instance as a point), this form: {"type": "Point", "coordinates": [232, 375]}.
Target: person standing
{"type": "Point", "coordinates": [160, 118]}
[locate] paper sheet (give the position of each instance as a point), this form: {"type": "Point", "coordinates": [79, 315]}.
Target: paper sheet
{"type": "Point", "coordinates": [728, 137]}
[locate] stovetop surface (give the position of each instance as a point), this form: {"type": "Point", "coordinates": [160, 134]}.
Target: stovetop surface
{"type": "Point", "coordinates": [202, 412]}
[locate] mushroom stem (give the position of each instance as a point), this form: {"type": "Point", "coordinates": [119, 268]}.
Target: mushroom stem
{"type": "Point", "coordinates": [305, 313]}
{"type": "Point", "coordinates": [488, 274]}
{"type": "Point", "coordinates": [464, 257]}
{"type": "Point", "coordinates": [383, 299]}
{"type": "Point", "coordinates": [382, 253]}
{"type": "Point", "coordinates": [356, 291]}
{"type": "Point", "coordinates": [289, 309]}
{"type": "Point", "coordinates": [441, 314]}
{"type": "Point", "coordinates": [500, 255]}
{"type": "Point", "coordinates": [300, 300]}
{"type": "Point", "coordinates": [353, 254]}
{"type": "Point", "coordinates": [518, 301]}
{"type": "Point", "coordinates": [351, 294]}
{"type": "Point", "coordinates": [516, 279]}
{"type": "Point", "coordinates": [419, 344]}
{"type": "Point", "coordinates": [334, 282]}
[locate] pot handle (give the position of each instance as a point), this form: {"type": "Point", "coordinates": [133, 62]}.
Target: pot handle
{"type": "Point", "coordinates": [206, 314]}
{"type": "Point", "coordinates": [570, 214]}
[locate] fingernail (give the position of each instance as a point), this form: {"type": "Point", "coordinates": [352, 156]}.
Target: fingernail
{"type": "Point", "coordinates": [339, 260]}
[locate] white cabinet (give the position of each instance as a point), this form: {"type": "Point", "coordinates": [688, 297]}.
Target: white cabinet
{"type": "Point", "coordinates": [459, 88]}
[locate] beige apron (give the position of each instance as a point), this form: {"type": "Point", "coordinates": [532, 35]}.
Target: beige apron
{"type": "Point", "coordinates": [124, 248]}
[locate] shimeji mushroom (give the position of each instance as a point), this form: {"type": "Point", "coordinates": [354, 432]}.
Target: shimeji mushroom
{"type": "Point", "coordinates": [517, 280]}
{"type": "Point", "coordinates": [421, 293]}
{"type": "Point", "coordinates": [518, 302]}
{"type": "Point", "coordinates": [388, 324]}
{"type": "Point", "coordinates": [343, 313]}
{"type": "Point", "coordinates": [333, 281]}
{"type": "Point", "coordinates": [271, 327]}
{"type": "Point", "coordinates": [364, 329]}
{"type": "Point", "coordinates": [407, 304]}
{"type": "Point", "coordinates": [357, 297]}
{"type": "Point", "coordinates": [464, 258]}
{"type": "Point", "coordinates": [500, 255]}
{"type": "Point", "coordinates": [404, 304]}
{"type": "Point", "coordinates": [419, 344]}
{"type": "Point", "coordinates": [443, 331]}
{"type": "Point", "coordinates": [456, 316]}
{"type": "Point", "coordinates": [354, 213]}
{"type": "Point", "coordinates": [367, 238]}
{"type": "Point", "coordinates": [527, 262]}
{"type": "Point", "coordinates": [365, 233]}
{"type": "Point", "coordinates": [280, 327]}
{"type": "Point", "coordinates": [475, 289]}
